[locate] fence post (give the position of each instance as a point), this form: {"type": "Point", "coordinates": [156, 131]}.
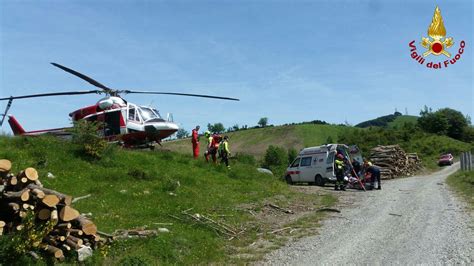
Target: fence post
{"type": "Point", "coordinates": [463, 162]}
{"type": "Point", "coordinates": [469, 161]}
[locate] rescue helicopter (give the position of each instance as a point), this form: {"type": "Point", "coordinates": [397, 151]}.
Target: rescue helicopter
{"type": "Point", "coordinates": [127, 123]}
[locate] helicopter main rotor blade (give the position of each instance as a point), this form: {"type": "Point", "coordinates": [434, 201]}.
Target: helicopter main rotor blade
{"type": "Point", "coordinates": [84, 77]}
{"type": "Point", "coordinates": [181, 94]}
{"type": "Point", "coordinates": [51, 94]}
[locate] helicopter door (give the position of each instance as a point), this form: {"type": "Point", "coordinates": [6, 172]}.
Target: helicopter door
{"type": "Point", "coordinates": [134, 122]}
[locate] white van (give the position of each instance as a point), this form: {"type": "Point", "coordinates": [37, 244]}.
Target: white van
{"type": "Point", "coordinates": [316, 164]}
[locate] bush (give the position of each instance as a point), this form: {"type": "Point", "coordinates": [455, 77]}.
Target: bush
{"type": "Point", "coordinates": [292, 153]}
{"type": "Point", "coordinates": [275, 159]}
{"type": "Point", "coordinates": [89, 143]}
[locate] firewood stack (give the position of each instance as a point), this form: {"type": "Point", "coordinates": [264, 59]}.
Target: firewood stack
{"type": "Point", "coordinates": [394, 162]}
{"type": "Point", "coordinates": [23, 193]}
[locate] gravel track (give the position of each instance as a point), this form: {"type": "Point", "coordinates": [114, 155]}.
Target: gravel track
{"type": "Point", "coordinates": [414, 220]}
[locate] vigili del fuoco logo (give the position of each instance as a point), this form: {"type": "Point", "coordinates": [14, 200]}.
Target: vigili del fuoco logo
{"type": "Point", "coordinates": [437, 44]}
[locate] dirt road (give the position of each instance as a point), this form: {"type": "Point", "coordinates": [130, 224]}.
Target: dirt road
{"type": "Point", "coordinates": [414, 220]}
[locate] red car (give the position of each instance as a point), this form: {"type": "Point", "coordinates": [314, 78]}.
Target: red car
{"type": "Point", "coordinates": [446, 159]}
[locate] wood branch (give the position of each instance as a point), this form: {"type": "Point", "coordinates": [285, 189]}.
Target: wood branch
{"type": "Point", "coordinates": [30, 173]}
{"type": "Point", "coordinates": [50, 200]}
{"type": "Point", "coordinates": [38, 193]}
{"type": "Point", "coordinates": [68, 213]}
{"type": "Point", "coordinates": [66, 199]}
{"type": "Point", "coordinates": [80, 198]}
{"type": "Point", "coordinates": [34, 255]}
{"type": "Point", "coordinates": [64, 226]}
{"type": "Point", "coordinates": [87, 226]}
{"type": "Point", "coordinates": [23, 195]}
{"type": "Point", "coordinates": [14, 206]}
{"type": "Point", "coordinates": [2, 225]}
{"type": "Point", "coordinates": [24, 180]}
{"type": "Point", "coordinates": [280, 208]}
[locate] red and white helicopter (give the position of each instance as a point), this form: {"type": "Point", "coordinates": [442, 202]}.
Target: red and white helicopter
{"type": "Point", "coordinates": [122, 121]}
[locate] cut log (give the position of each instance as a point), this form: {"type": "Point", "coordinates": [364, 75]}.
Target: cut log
{"type": "Point", "coordinates": [56, 252]}
{"type": "Point", "coordinates": [68, 213]}
{"type": "Point", "coordinates": [30, 173]}
{"type": "Point", "coordinates": [76, 232]}
{"type": "Point", "coordinates": [27, 206]}
{"type": "Point", "coordinates": [72, 244]}
{"type": "Point", "coordinates": [5, 166]}
{"type": "Point", "coordinates": [54, 216]}
{"type": "Point", "coordinates": [44, 214]}
{"type": "Point", "coordinates": [2, 225]}
{"type": "Point", "coordinates": [66, 199]}
{"type": "Point", "coordinates": [87, 226]}
{"type": "Point", "coordinates": [75, 239]}
{"type": "Point", "coordinates": [24, 180]}
{"type": "Point", "coordinates": [50, 200]}
{"type": "Point", "coordinates": [23, 195]}
{"type": "Point", "coordinates": [13, 181]}
{"type": "Point", "coordinates": [22, 214]}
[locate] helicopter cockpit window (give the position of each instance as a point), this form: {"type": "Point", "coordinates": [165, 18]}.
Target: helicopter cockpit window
{"type": "Point", "coordinates": [148, 113]}
{"type": "Point", "coordinates": [131, 113]}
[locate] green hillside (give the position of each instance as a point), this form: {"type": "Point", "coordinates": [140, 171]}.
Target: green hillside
{"type": "Point", "coordinates": [400, 120]}
{"type": "Point", "coordinates": [256, 141]}
{"type": "Point", "coordinates": [146, 188]}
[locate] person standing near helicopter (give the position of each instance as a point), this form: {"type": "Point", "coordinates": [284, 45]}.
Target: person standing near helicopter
{"type": "Point", "coordinates": [195, 141]}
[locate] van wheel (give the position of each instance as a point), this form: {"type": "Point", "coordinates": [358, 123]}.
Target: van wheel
{"type": "Point", "coordinates": [288, 180]}
{"type": "Point", "coordinates": [319, 181]}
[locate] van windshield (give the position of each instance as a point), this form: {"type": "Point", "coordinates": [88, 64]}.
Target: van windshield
{"type": "Point", "coordinates": [296, 162]}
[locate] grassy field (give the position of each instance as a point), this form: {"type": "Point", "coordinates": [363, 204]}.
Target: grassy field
{"type": "Point", "coordinates": [463, 183]}
{"type": "Point", "coordinates": [145, 188]}
{"type": "Point", "coordinates": [256, 141]}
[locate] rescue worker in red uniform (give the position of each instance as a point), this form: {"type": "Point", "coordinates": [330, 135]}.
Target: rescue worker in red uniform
{"type": "Point", "coordinates": [195, 142]}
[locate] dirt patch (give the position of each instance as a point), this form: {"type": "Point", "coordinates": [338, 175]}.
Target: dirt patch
{"type": "Point", "coordinates": [280, 219]}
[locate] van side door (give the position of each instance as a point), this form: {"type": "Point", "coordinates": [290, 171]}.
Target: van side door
{"type": "Point", "coordinates": [306, 169]}
{"type": "Point", "coordinates": [330, 173]}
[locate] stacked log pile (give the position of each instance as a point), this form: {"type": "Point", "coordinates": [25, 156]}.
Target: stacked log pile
{"type": "Point", "coordinates": [23, 194]}
{"type": "Point", "coordinates": [394, 162]}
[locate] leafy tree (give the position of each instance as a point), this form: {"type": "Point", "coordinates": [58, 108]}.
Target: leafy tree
{"type": "Point", "coordinates": [217, 127]}
{"type": "Point", "coordinates": [182, 133]}
{"type": "Point", "coordinates": [445, 121]}
{"type": "Point", "coordinates": [457, 122]}
{"type": "Point", "coordinates": [263, 122]}
{"type": "Point", "coordinates": [235, 127]}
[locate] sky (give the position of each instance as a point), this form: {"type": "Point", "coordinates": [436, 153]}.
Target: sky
{"type": "Point", "coordinates": [290, 61]}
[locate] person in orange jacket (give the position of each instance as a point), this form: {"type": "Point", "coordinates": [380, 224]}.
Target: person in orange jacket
{"type": "Point", "coordinates": [195, 142]}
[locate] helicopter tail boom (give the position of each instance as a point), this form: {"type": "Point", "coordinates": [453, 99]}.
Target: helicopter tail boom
{"type": "Point", "coordinates": [16, 127]}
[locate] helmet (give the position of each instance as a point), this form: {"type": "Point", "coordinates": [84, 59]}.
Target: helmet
{"type": "Point", "coordinates": [207, 133]}
{"type": "Point", "coordinates": [340, 156]}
